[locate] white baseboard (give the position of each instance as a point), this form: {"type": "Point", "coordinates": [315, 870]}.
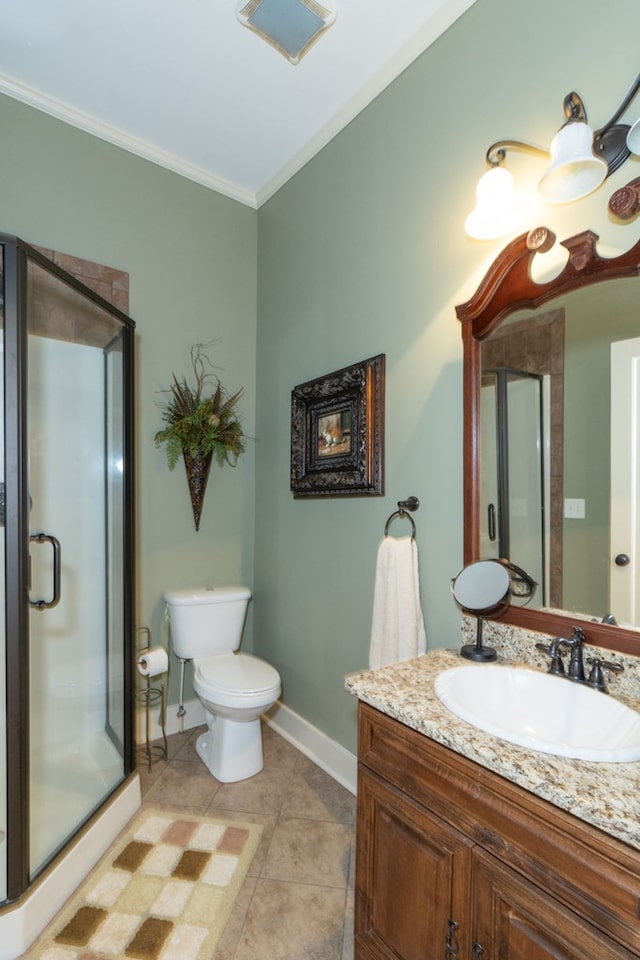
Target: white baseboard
{"type": "Point", "coordinates": [334, 759]}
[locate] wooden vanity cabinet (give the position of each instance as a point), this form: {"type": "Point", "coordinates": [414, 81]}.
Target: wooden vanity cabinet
{"type": "Point", "coordinates": [412, 874]}
{"type": "Point", "coordinates": [514, 919]}
{"type": "Point", "coordinates": [455, 862]}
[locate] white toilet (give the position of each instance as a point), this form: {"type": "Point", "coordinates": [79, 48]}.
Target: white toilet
{"type": "Point", "coordinates": [235, 688]}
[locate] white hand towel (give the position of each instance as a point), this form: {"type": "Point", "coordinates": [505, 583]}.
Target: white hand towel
{"type": "Point", "coordinates": [397, 629]}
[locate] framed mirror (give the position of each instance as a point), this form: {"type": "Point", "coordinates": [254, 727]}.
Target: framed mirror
{"type": "Point", "coordinates": [545, 420]}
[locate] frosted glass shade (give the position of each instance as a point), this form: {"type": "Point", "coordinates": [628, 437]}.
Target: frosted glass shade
{"type": "Point", "coordinates": [633, 138]}
{"type": "Point", "coordinates": [495, 213]}
{"type": "Point", "coordinates": [574, 171]}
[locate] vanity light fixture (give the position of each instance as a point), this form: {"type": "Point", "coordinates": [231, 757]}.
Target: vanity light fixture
{"type": "Point", "coordinates": [580, 161]}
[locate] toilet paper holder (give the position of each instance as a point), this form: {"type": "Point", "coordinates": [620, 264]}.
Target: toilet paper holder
{"type": "Point", "coordinates": [151, 696]}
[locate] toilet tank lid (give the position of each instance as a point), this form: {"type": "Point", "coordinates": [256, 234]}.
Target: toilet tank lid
{"type": "Point", "coordinates": [193, 595]}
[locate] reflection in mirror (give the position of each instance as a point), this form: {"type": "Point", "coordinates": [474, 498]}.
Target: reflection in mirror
{"type": "Point", "coordinates": [552, 454]}
{"type": "Point", "coordinates": [551, 451]}
{"type": "Point", "coordinates": [484, 589]}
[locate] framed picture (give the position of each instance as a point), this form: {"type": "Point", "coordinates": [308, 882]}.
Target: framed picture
{"type": "Point", "coordinates": [337, 433]}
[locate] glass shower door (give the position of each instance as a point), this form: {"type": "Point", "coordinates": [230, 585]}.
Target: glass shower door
{"type": "Point", "coordinates": [3, 704]}
{"type": "Point", "coordinates": [526, 477]}
{"type": "Point", "coordinates": [513, 471]}
{"type": "Point", "coordinates": [76, 669]}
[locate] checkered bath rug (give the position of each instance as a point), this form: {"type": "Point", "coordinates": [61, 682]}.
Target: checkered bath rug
{"type": "Point", "coordinates": [163, 892]}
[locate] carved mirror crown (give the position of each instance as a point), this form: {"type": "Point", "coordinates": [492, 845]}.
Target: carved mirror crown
{"type": "Point", "coordinates": [507, 287]}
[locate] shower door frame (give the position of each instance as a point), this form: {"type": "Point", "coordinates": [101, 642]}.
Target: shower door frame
{"type": "Point", "coordinates": [16, 256]}
{"type": "Point", "coordinates": [501, 376]}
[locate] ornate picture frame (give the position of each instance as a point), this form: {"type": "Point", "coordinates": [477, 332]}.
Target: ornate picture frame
{"type": "Point", "coordinates": [337, 432]}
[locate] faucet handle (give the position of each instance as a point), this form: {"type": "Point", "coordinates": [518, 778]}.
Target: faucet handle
{"type": "Point", "coordinates": [596, 677]}
{"type": "Point", "coordinates": [553, 650]}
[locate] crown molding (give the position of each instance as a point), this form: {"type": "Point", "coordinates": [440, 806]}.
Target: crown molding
{"type": "Point", "coordinates": [104, 131]}
{"type": "Point", "coordinates": [436, 25]}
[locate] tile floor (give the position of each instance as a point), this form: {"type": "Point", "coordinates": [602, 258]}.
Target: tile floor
{"type": "Point", "coordinates": [297, 901]}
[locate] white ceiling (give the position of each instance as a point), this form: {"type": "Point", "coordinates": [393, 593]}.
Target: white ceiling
{"type": "Point", "coordinates": [185, 85]}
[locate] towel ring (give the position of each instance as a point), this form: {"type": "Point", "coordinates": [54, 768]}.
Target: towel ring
{"type": "Point", "coordinates": [411, 503]}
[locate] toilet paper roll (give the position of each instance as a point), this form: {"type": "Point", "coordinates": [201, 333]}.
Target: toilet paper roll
{"type": "Point", "coordinates": [153, 662]}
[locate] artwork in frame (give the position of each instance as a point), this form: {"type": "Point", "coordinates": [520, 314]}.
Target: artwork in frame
{"type": "Point", "coordinates": [337, 433]}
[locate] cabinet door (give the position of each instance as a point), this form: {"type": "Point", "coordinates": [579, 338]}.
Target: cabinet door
{"type": "Point", "coordinates": [412, 879]}
{"type": "Point", "coordinates": [514, 920]}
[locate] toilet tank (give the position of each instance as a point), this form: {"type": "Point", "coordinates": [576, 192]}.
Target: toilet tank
{"type": "Point", "coordinates": [206, 620]}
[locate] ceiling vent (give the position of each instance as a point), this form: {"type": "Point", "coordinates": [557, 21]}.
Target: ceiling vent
{"type": "Point", "coordinates": [291, 26]}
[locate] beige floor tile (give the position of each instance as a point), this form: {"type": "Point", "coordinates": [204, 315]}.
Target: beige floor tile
{"type": "Point", "coordinates": [297, 901]}
{"type": "Point", "coordinates": [309, 851]}
{"type": "Point", "coordinates": [228, 943]}
{"type": "Point", "coordinates": [148, 776]}
{"type": "Point", "coordinates": [176, 742]}
{"type": "Point", "coordinates": [291, 921]}
{"type": "Point", "coordinates": [347, 942]}
{"type": "Point", "coordinates": [264, 793]}
{"type": "Point", "coordinates": [184, 786]}
{"type": "Point", "coordinates": [186, 745]}
{"type": "Point", "coordinates": [314, 795]}
{"type": "Point", "coordinates": [279, 755]}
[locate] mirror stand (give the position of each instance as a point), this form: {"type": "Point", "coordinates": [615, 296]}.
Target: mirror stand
{"type": "Point", "coordinates": [482, 589]}
{"type": "Point", "coordinates": [476, 651]}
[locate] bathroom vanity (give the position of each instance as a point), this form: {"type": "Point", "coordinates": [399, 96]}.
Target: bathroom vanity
{"type": "Point", "coordinates": [468, 846]}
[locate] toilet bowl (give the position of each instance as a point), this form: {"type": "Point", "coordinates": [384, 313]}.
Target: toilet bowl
{"type": "Point", "coordinates": [234, 688]}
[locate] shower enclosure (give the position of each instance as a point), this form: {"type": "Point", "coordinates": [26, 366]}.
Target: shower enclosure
{"type": "Point", "coordinates": [66, 575]}
{"type": "Point", "coordinates": [515, 476]}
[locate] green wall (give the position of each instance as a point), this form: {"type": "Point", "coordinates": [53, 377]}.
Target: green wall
{"type": "Point", "coordinates": [191, 256]}
{"type": "Point", "coordinates": [363, 252]}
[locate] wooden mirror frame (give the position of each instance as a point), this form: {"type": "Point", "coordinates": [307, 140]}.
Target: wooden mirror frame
{"type": "Point", "coordinates": [506, 287]}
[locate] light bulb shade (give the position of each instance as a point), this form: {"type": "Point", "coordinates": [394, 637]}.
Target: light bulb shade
{"type": "Point", "coordinates": [495, 213]}
{"type": "Point", "coordinates": [575, 171]}
{"type": "Point", "coordinates": [633, 138]}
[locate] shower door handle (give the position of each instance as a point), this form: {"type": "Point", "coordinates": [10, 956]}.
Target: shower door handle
{"type": "Point", "coordinates": [491, 521]}
{"type": "Point", "coordinates": [57, 554]}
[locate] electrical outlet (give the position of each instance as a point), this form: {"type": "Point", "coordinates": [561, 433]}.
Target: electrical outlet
{"type": "Point", "coordinates": [575, 509]}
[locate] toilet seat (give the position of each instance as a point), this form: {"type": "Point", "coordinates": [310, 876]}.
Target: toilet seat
{"type": "Point", "coordinates": [232, 679]}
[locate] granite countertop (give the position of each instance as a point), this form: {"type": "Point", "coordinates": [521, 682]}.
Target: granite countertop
{"type": "Point", "coordinates": [606, 795]}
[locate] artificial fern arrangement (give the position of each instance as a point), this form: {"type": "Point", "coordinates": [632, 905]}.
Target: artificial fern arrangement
{"type": "Point", "coordinates": [199, 425]}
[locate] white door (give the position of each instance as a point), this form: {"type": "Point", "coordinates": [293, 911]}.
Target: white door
{"type": "Point", "coordinates": [625, 482]}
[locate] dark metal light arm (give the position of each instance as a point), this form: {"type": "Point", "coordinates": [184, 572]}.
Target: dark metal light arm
{"type": "Point", "coordinates": [574, 108]}
{"type": "Point", "coordinates": [610, 141]}
{"type": "Point", "coordinates": [581, 160]}
{"type": "Point", "coordinates": [621, 109]}
{"type": "Point", "coordinates": [498, 151]}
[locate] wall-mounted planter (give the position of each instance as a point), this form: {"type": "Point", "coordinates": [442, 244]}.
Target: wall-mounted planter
{"type": "Point", "coordinates": [199, 427]}
{"type": "Point", "coordinates": [197, 474]}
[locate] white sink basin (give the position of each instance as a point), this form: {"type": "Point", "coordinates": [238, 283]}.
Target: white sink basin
{"type": "Point", "coordinates": [542, 712]}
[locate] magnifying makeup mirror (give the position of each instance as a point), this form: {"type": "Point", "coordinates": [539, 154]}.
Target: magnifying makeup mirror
{"type": "Point", "coordinates": [484, 589]}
